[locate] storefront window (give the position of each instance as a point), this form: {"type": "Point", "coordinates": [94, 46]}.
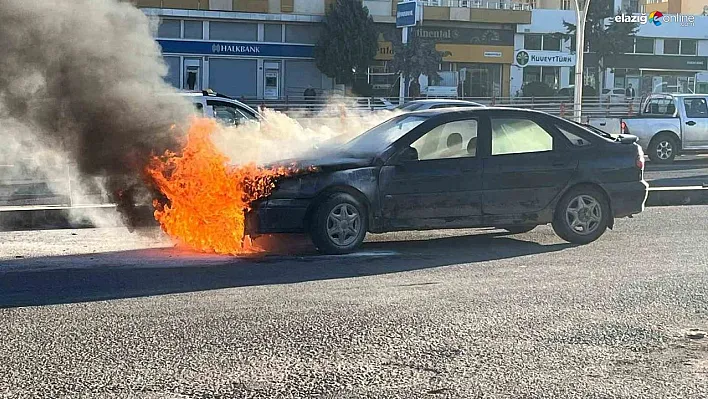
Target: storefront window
{"type": "Point", "coordinates": [688, 47]}
{"type": "Point", "coordinates": [671, 46]}
{"type": "Point", "coordinates": [532, 42]}
{"type": "Point", "coordinates": [532, 74]}
{"type": "Point", "coordinates": [551, 76]}
{"type": "Point", "coordinates": [482, 80]}
{"type": "Point", "coordinates": [644, 45]}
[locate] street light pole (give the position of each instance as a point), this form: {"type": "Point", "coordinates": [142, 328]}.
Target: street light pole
{"type": "Point", "coordinates": [402, 89]}
{"type": "Point", "coordinates": [580, 14]}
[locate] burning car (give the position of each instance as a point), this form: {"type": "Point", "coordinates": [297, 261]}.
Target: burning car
{"type": "Point", "coordinates": [505, 168]}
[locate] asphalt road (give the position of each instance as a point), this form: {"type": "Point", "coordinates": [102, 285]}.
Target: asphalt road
{"type": "Point", "coordinates": [458, 314]}
{"type": "Point", "coordinates": [685, 171]}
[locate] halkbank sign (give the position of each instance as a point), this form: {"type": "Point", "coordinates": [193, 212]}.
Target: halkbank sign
{"type": "Point", "coordinates": [526, 58]}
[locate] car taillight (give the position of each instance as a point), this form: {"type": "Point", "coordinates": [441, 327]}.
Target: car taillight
{"type": "Point", "coordinates": [640, 159]}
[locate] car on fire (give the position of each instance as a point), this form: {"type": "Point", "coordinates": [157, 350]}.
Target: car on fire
{"type": "Point", "coordinates": [504, 168]}
{"type": "Point", "coordinates": [226, 110]}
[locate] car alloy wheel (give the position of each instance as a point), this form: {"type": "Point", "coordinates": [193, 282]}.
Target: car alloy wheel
{"type": "Point", "coordinates": [343, 224]}
{"type": "Point", "coordinates": [664, 150]}
{"type": "Point", "coordinates": [583, 214]}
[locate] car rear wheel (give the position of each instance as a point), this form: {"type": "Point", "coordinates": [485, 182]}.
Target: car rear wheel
{"type": "Point", "coordinates": [663, 149]}
{"type": "Point", "coordinates": [518, 229]}
{"type": "Point", "coordinates": [582, 215]}
{"type": "Point", "coordinates": [339, 224]}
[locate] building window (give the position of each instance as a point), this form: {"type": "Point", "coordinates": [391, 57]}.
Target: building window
{"type": "Point", "coordinates": [193, 30]}
{"type": "Point", "coordinates": [532, 42]}
{"type": "Point", "coordinates": [567, 4]}
{"type": "Point", "coordinates": [170, 28]}
{"type": "Point", "coordinates": [688, 47]}
{"type": "Point", "coordinates": [643, 45]}
{"type": "Point", "coordinates": [532, 74]}
{"type": "Point", "coordinates": [551, 43]}
{"type": "Point", "coordinates": [548, 75]}
{"type": "Point", "coordinates": [671, 46]}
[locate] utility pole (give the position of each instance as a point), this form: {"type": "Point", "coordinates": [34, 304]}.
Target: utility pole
{"type": "Point", "coordinates": [581, 12]}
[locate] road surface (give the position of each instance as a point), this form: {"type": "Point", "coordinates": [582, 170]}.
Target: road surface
{"type": "Point", "coordinates": [101, 313]}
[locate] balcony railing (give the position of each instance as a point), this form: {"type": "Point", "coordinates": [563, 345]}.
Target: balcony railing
{"type": "Point", "coordinates": [487, 4]}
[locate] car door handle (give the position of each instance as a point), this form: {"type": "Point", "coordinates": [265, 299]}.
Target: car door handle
{"type": "Point", "coordinates": [691, 123]}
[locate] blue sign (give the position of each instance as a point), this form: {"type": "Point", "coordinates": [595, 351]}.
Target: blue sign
{"type": "Point", "coordinates": [226, 48]}
{"type": "Point", "coordinates": [405, 14]}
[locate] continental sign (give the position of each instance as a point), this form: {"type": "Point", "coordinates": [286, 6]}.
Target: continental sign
{"type": "Point", "coordinates": [490, 37]}
{"type": "Point", "coordinates": [460, 53]}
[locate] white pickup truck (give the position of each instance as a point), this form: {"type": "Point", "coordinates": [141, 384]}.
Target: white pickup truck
{"type": "Point", "coordinates": [224, 109]}
{"type": "Point", "coordinates": [670, 125]}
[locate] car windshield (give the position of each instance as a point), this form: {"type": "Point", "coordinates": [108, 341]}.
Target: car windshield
{"type": "Point", "coordinates": [378, 138]}
{"type": "Point", "coordinates": [409, 106]}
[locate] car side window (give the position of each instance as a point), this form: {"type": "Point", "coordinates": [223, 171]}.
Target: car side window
{"type": "Point", "coordinates": [519, 136]}
{"type": "Point", "coordinates": [456, 139]}
{"type": "Point", "coordinates": [574, 139]}
{"type": "Point", "coordinates": [696, 107]}
{"type": "Point", "coordinates": [228, 113]}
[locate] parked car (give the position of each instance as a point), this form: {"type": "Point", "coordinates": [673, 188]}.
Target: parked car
{"type": "Point", "coordinates": [420, 105]}
{"type": "Point", "coordinates": [226, 110]}
{"type": "Point", "coordinates": [459, 168]}
{"type": "Point", "coordinates": [669, 125]}
{"type": "Point", "coordinates": [613, 96]}
{"type": "Point", "coordinates": [373, 104]}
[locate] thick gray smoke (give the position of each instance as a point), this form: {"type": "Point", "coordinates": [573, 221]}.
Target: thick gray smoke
{"type": "Point", "coordinates": [84, 79]}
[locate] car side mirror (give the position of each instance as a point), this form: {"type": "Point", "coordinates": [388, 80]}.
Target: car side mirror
{"type": "Point", "coordinates": [408, 155]}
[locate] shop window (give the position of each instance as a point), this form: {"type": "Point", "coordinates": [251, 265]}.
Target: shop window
{"type": "Point", "coordinates": [532, 74]}
{"type": "Point", "coordinates": [551, 43]}
{"type": "Point", "coordinates": [273, 33]}
{"type": "Point", "coordinates": [532, 42]}
{"type": "Point", "coordinates": [193, 30]}
{"type": "Point", "coordinates": [688, 47]}
{"type": "Point", "coordinates": [170, 28]}
{"type": "Point", "coordinates": [519, 136]}
{"type": "Point", "coordinates": [671, 46]}
{"type": "Point", "coordinates": [644, 45]}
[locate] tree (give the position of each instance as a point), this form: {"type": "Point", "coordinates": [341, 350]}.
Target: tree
{"type": "Point", "coordinates": [417, 57]}
{"type": "Point", "coordinates": [347, 42]}
{"type": "Point", "coordinates": [602, 38]}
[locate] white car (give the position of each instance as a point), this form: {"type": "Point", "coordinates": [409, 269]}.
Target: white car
{"type": "Point", "coordinates": [612, 96]}
{"type": "Point", "coordinates": [373, 104]}
{"type": "Point", "coordinates": [223, 108]}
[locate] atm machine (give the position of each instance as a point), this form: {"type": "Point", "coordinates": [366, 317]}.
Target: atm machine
{"type": "Point", "coordinates": [271, 80]}
{"type": "Point", "coordinates": [192, 74]}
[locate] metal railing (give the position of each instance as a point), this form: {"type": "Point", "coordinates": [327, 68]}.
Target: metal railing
{"type": "Point", "coordinates": [494, 4]}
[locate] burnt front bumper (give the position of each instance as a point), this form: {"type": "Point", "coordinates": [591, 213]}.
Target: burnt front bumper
{"type": "Point", "coordinates": [273, 216]}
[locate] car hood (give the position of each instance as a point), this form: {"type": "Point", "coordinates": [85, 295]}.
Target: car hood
{"type": "Point", "coordinates": [326, 163]}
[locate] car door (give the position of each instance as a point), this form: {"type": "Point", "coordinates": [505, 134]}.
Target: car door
{"type": "Point", "coordinates": [525, 166]}
{"type": "Point", "coordinates": [440, 186]}
{"type": "Point", "coordinates": [695, 122]}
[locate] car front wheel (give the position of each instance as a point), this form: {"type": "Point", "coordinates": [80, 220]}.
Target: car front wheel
{"type": "Point", "coordinates": [339, 224]}
{"type": "Point", "coordinates": [582, 215]}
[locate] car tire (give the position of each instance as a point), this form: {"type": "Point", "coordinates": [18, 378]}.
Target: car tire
{"type": "Point", "coordinates": [582, 215]}
{"type": "Point", "coordinates": [518, 229]}
{"type": "Point", "coordinates": [339, 224]}
{"type": "Point", "coordinates": [663, 148]}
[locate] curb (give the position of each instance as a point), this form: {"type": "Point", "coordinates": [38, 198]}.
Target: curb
{"type": "Point", "coordinates": [677, 196]}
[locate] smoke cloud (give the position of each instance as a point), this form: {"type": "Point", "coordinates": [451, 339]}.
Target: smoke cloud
{"type": "Point", "coordinates": [83, 80]}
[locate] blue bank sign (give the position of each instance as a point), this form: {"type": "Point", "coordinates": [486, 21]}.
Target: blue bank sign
{"type": "Point", "coordinates": [406, 14]}
{"type": "Point", "coordinates": [245, 49]}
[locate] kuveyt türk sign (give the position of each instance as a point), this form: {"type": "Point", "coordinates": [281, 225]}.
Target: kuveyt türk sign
{"type": "Point", "coordinates": [406, 14]}
{"type": "Point", "coordinates": [544, 58]}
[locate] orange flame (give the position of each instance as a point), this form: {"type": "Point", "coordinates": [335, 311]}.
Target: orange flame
{"type": "Point", "coordinates": [206, 198]}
